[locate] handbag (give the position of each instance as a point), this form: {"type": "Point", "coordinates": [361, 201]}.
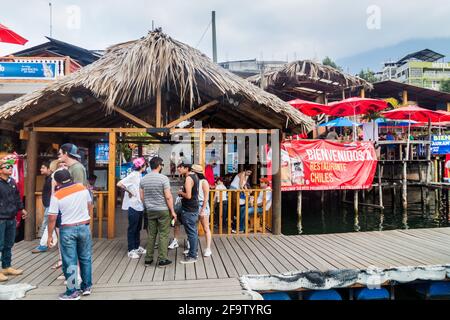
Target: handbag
{"type": "Point", "coordinates": [177, 206]}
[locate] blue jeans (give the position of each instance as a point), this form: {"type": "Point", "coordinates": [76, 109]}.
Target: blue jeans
{"type": "Point", "coordinates": [251, 211]}
{"type": "Point", "coordinates": [190, 220]}
{"type": "Point", "coordinates": [7, 239]}
{"type": "Point", "coordinates": [134, 228]}
{"type": "Point", "coordinates": [76, 247]}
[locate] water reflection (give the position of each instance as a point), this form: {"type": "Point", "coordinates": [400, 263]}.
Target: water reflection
{"type": "Point", "coordinates": [335, 217]}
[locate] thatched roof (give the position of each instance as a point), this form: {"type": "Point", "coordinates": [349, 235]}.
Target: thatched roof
{"type": "Point", "coordinates": [129, 75]}
{"type": "Point", "coordinates": [309, 76]}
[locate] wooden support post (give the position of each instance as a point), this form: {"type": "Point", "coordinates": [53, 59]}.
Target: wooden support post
{"type": "Point", "coordinates": [404, 188]}
{"type": "Point", "coordinates": [299, 212]}
{"type": "Point", "coordinates": [30, 187]}
{"type": "Point", "coordinates": [112, 186]}
{"type": "Point", "coordinates": [355, 201]}
{"type": "Point", "coordinates": [404, 97]}
{"type": "Point", "coordinates": [158, 108]}
{"type": "Point", "coordinates": [428, 173]}
{"type": "Point", "coordinates": [100, 215]}
{"type": "Point", "coordinates": [254, 175]}
{"type": "Point", "coordinates": [380, 187]}
{"type": "Point", "coordinates": [202, 149]}
{"type": "Point", "coordinates": [276, 184]}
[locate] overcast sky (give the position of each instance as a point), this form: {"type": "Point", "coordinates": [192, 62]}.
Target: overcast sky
{"type": "Point", "coordinates": [268, 29]}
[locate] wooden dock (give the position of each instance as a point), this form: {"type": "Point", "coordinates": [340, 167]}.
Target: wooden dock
{"type": "Point", "coordinates": [115, 276]}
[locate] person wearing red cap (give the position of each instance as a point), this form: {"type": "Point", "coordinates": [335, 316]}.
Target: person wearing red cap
{"type": "Point", "coordinates": [10, 204]}
{"type": "Point", "coordinates": [133, 203]}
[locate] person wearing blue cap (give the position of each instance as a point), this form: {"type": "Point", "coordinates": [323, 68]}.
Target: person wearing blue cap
{"type": "Point", "coordinates": [68, 153]}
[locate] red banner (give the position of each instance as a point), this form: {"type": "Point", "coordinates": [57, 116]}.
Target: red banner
{"type": "Point", "coordinates": [326, 165]}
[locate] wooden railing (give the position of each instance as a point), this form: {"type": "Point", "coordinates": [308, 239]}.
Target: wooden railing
{"type": "Point", "coordinates": [231, 210]}
{"type": "Point", "coordinates": [98, 213]}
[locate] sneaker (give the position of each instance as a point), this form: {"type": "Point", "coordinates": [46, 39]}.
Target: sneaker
{"type": "Point", "coordinates": [188, 260]}
{"type": "Point", "coordinates": [61, 277]}
{"type": "Point", "coordinates": [39, 249]}
{"type": "Point", "coordinates": [148, 263]}
{"type": "Point", "coordinates": [207, 253]}
{"type": "Point", "coordinates": [141, 250]}
{"type": "Point", "coordinates": [74, 296]}
{"type": "Point", "coordinates": [163, 263]}
{"type": "Point", "coordinates": [174, 244]}
{"type": "Point", "coordinates": [186, 251]}
{"type": "Point", "coordinates": [133, 255]}
{"type": "Point", "coordinates": [86, 291]}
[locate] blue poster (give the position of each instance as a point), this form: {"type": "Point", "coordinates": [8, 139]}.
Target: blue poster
{"type": "Point", "coordinates": [123, 170]}
{"type": "Point", "coordinates": [101, 153]}
{"type": "Point", "coordinates": [440, 144]}
{"type": "Point", "coordinates": [25, 70]}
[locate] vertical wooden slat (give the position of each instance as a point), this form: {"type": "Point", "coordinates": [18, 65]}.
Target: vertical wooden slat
{"type": "Point", "coordinates": [276, 186]}
{"type": "Point", "coordinates": [264, 211]}
{"type": "Point", "coordinates": [230, 194]}
{"type": "Point", "coordinates": [246, 212]}
{"type": "Point", "coordinates": [202, 149]}
{"type": "Point", "coordinates": [112, 185]}
{"type": "Point", "coordinates": [255, 212]}
{"type": "Point", "coordinates": [238, 210]}
{"type": "Point", "coordinates": [211, 208]}
{"type": "Point", "coordinates": [158, 108]}
{"type": "Point", "coordinates": [100, 215]}
{"type": "Point", "coordinates": [220, 212]}
{"type": "Point", "coordinates": [30, 186]}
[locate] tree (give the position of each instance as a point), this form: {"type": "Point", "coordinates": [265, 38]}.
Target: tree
{"type": "Point", "coordinates": [445, 85]}
{"type": "Point", "coordinates": [328, 62]}
{"type": "Point", "coordinates": [368, 75]}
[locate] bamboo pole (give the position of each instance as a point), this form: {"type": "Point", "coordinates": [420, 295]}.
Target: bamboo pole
{"type": "Point", "coordinates": [380, 188]}
{"type": "Point", "coordinates": [112, 185]}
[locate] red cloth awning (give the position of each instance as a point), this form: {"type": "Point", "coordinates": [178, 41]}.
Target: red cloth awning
{"type": "Point", "coordinates": [417, 113]}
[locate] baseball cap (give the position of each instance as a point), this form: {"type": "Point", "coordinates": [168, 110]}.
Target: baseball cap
{"type": "Point", "coordinates": [138, 162]}
{"type": "Point", "coordinates": [71, 149]}
{"type": "Point", "coordinates": [62, 176]}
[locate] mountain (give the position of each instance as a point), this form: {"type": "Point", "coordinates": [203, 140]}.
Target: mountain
{"type": "Point", "coordinates": [374, 59]}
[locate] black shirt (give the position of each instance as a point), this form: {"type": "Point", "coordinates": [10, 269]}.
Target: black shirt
{"type": "Point", "coordinates": [10, 201]}
{"type": "Point", "coordinates": [47, 191]}
{"type": "Point", "coordinates": [191, 205]}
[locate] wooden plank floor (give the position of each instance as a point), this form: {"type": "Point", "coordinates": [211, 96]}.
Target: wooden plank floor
{"type": "Point", "coordinates": [116, 276]}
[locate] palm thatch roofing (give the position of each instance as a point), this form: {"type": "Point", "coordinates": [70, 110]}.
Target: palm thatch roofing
{"type": "Point", "coordinates": [129, 75]}
{"type": "Point", "coordinates": [307, 79]}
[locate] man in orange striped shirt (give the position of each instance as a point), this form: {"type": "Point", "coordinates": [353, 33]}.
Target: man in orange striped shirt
{"type": "Point", "coordinates": [73, 201]}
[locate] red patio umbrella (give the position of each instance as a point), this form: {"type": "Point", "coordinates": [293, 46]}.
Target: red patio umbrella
{"type": "Point", "coordinates": [355, 106]}
{"type": "Point", "coordinates": [416, 113]}
{"type": "Point", "coordinates": [9, 36]}
{"type": "Point", "coordinates": [309, 108]}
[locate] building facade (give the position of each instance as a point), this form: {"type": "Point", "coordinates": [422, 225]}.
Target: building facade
{"type": "Point", "coordinates": [424, 69]}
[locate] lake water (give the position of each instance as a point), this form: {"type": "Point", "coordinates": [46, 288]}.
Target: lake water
{"type": "Point", "coordinates": [336, 217]}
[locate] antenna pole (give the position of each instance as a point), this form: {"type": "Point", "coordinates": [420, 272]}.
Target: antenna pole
{"type": "Point", "coordinates": [51, 19]}
{"type": "Point", "coordinates": [214, 40]}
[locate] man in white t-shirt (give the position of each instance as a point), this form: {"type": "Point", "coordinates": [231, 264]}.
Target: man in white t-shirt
{"type": "Point", "coordinates": [73, 201]}
{"type": "Point", "coordinates": [133, 203]}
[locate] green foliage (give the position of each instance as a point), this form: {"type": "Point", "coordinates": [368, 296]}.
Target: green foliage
{"type": "Point", "coordinates": [328, 62]}
{"type": "Point", "coordinates": [367, 75]}
{"type": "Point", "coordinates": [445, 86]}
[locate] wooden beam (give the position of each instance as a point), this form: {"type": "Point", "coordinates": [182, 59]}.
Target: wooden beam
{"type": "Point", "coordinates": [404, 97]}
{"type": "Point", "coordinates": [30, 186]}
{"type": "Point", "coordinates": [192, 114]}
{"type": "Point", "coordinates": [48, 113]}
{"type": "Point", "coordinates": [112, 185]}
{"type": "Point", "coordinates": [362, 93]}
{"type": "Point", "coordinates": [158, 108]}
{"type": "Point", "coordinates": [276, 187]}
{"type": "Point", "coordinates": [6, 125]}
{"type": "Point", "coordinates": [133, 118]}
